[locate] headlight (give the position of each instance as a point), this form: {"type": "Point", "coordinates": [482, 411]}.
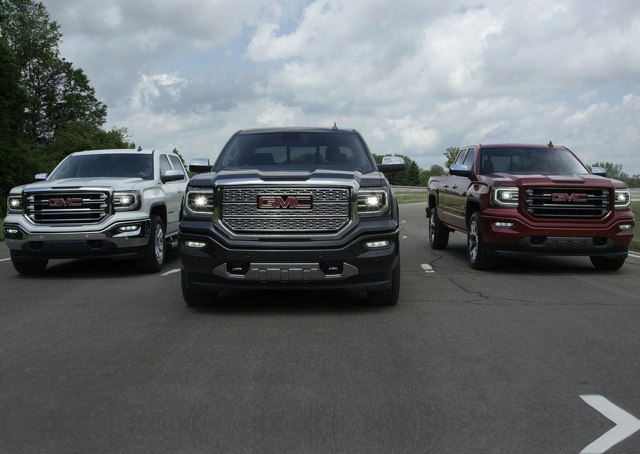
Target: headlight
{"type": "Point", "coordinates": [200, 202]}
{"type": "Point", "coordinates": [372, 202]}
{"type": "Point", "coordinates": [126, 200]}
{"type": "Point", "coordinates": [14, 204]}
{"type": "Point", "coordinates": [505, 196]}
{"type": "Point", "coordinates": [622, 199]}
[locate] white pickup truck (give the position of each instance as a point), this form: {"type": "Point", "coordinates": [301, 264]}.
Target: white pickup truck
{"type": "Point", "coordinates": [117, 204]}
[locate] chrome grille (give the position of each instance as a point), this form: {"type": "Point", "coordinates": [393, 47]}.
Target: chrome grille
{"type": "Point", "coordinates": [330, 210]}
{"type": "Point", "coordinates": [67, 207]}
{"type": "Point", "coordinates": [565, 202]}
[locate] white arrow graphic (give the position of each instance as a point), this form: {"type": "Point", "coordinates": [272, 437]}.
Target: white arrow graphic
{"type": "Point", "coordinates": [626, 424]}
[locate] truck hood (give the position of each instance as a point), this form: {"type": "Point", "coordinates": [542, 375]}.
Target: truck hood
{"type": "Point", "coordinates": [119, 184]}
{"type": "Point", "coordinates": [294, 176]}
{"type": "Point", "coordinates": [586, 180]}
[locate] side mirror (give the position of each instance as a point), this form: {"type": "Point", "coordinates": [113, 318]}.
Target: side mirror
{"type": "Point", "coordinates": [41, 176]}
{"type": "Point", "coordinates": [601, 172]}
{"type": "Point", "coordinates": [172, 175]}
{"type": "Point", "coordinates": [391, 164]}
{"type": "Point", "coordinates": [199, 165]}
{"type": "Point", "coordinates": [460, 170]}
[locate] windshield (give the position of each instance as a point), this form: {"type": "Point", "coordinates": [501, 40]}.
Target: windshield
{"type": "Point", "coordinates": [113, 165]}
{"type": "Point", "coordinates": [530, 161]}
{"type": "Point", "coordinates": [293, 151]}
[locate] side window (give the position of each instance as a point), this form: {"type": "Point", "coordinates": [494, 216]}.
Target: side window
{"type": "Point", "coordinates": [469, 160]}
{"type": "Point", "coordinates": [177, 165]}
{"type": "Point", "coordinates": [461, 156]}
{"type": "Point", "coordinates": [164, 164]}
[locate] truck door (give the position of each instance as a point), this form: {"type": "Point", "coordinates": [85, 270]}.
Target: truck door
{"type": "Point", "coordinates": [174, 191]}
{"type": "Point", "coordinates": [454, 192]}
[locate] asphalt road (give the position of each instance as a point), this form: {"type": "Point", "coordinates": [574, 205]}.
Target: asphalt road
{"type": "Point", "coordinates": [97, 358]}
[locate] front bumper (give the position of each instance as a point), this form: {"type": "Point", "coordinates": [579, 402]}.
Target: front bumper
{"type": "Point", "coordinates": [220, 265]}
{"type": "Point", "coordinates": [111, 242]}
{"type": "Point", "coordinates": [602, 237]}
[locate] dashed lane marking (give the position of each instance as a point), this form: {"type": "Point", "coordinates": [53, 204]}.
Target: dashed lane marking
{"type": "Point", "coordinates": [427, 268]}
{"type": "Point", "coordinates": [171, 272]}
{"type": "Point", "coordinates": [404, 237]}
{"type": "Point", "coordinates": [634, 255]}
{"type": "Point", "coordinates": [4, 260]}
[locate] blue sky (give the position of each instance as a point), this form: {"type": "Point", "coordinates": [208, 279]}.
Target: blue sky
{"type": "Point", "coordinates": [413, 76]}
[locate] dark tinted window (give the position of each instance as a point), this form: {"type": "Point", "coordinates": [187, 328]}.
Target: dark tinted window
{"type": "Point", "coordinates": [460, 157]}
{"type": "Point", "coordinates": [175, 161]}
{"type": "Point", "coordinates": [530, 160]}
{"type": "Point", "coordinates": [115, 165]}
{"type": "Point", "coordinates": [294, 149]}
{"type": "Point", "coordinates": [469, 159]}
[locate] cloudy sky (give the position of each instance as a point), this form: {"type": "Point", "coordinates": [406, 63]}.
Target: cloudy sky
{"type": "Point", "coordinates": [413, 76]}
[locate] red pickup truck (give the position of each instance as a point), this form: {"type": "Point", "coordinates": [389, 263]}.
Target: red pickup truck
{"type": "Point", "coordinates": [514, 200]}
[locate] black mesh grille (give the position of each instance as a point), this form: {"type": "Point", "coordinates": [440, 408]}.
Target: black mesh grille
{"type": "Point", "coordinates": [329, 212]}
{"type": "Point", "coordinates": [567, 202]}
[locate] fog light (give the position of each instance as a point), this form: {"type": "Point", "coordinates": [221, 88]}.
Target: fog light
{"type": "Point", "coordinates": [504, 225]}
{"type": "Point", "coordinates": [377, 244]}
{"type": "Point", "coordinates": [626, 226]}
{"type": "Point", "coordinates": [14, 231]}
{"type": "Point", "coordinates": [195, 244]}
{"type": "Point", "coordinates": [128, 228]}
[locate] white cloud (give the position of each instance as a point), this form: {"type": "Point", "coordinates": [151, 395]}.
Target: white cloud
{"type": "Point", "coordinates": [414, 77]}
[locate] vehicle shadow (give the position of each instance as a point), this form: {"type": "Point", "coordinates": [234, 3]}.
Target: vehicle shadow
{"type": "Point", "coordinates": [290, 302]}
{"type": "Point", "coordinates": [99, 268]}
{"type": "Point", "coordinates": [538, 265]}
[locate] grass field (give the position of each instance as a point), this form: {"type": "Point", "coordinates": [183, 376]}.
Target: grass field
{"type": "Point", "coordinates": [411, 195]}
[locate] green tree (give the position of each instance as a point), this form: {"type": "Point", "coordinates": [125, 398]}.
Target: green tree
{"type": "Point", "coordinates": [58, 94]}
{"type": "Point", "coordinates": [13, 150]}
{"type": "Point", "coordinates": [613, 171]}
{"type": "Point", "coordinates": [434, 171]}
{"type": "Point", "coordinates": [408, 177]}
{"type": "Point", "coordinates": [451, 154]}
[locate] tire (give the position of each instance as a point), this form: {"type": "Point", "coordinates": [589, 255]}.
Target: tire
{"type": "Point", "coordinates": [606, 263]}
{"type": "Point", "coordinates": [388, 297]}
{"type": "Point", "coordinates": [438, 233]}
{"type": "Point", "coordinates": [196, 298]}
{"type": "Point", "coordinates": [30, 267]}
{"type": "Point", "coordinates": [155, 252]}
{"type": "Point", "coordinates": [476, 247]}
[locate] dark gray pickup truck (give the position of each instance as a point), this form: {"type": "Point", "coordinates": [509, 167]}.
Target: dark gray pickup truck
{"type": "Point", "coordinates": [291, 209]}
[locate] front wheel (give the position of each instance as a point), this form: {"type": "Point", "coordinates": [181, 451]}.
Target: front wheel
{"type": "Point", "coordinates": [476, 247]}
{"type": "Point", "coordinates": [387, 297]}
{"type": "Point", "coordinates": [606, 263]}
{"type": "Point", "coordinates": [154, 254]}
{"type": "Point", "coordinates": [196, 298]}
{"type": "Point", "coordinates": [438, 233]}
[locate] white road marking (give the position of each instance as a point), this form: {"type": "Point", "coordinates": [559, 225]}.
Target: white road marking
{"type": "Point", "coordinates": [171, 272]}
{"type": "Point", "coordinates": [4, 260]}
{"type": "Point", "coordinates": [404, 237]}
{"type": "Point", "coordinates": [626, 424]}
{"type": "Point", "coordinates": [634, 255]}
{"type": "Point", "coordinates": [427, 268]}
